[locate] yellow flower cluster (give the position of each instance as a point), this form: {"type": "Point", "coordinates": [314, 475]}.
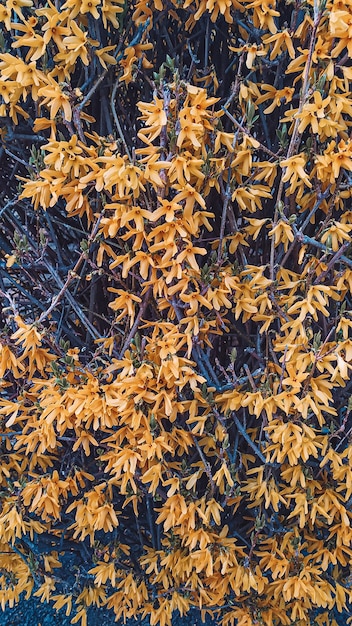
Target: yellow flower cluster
{"type": "Point", "coordinates": [185, 222]}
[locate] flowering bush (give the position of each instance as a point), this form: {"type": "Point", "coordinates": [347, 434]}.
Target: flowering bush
{"type": "Point", "coordinates": [176, 279]}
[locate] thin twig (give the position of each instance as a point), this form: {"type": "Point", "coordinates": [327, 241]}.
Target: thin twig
{"type": "Point", "coordinates": [207, 467]}
{"type": "Point", "coordinates": [317, 244]}
{"type": "Point", "coordinates": [134, 328]}
{"type": "Point", "coordinates": [8, 205]}
{"type": "Point", "coordinates": [294, 142]}
{"type": "Point", "coordinates": [337, 256]}
{"type": "Point", "coordinates": [283, 367]}
{"type": "Point", "coordinates": [72, 275]}
{"type": "Point", "coordinates": [246, 132]}
{"type": "Point", "coordinates": [74, 304]}
{"type": "Point", "coordinates": [92, 90]}
{"type": "Point", "coordinates": [16, 158]}
{"type": "Point", "coordinates": [246, 436]}
{"type": "Point", "coordinates": [303, 226]}
{"type": "Point", "coordinates": [226, 200]}
{"type": "Point", "coordinates": [117, 122]}
{"type": "Point", "coordinates": [118, 56]}
{"type": "Point", "coordinates": [240, 381]}
{"type": "Point", "coordinates": [250, 378]}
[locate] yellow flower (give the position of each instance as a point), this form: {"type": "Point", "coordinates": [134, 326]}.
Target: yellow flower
{"type": "Point", "coordinates": [294, 173]}
{"type": "Point", "coordinates": [30, 39]}
{"type": "Point", "coordinates": [5, 16]}
{"type": "Point", "coordinates": [27, 335]}
{"type": "Point", "coordinates": [82, 7]}
{"type": "Point", "coordinates": [321, 50]}
{"type": "Point", "coordinates": [90, 6]}
{"type": "Point", "coordinates": [7, 89]}
{"type": "Point", "coordinates": [135, 214]}
{"type": "Point", "coordinates": [188, 255]}
{"type": "Point", "coordinates": [283, 234]}
{"type": "Point", "coordinates": [84, 439]}
{"type": "Point", "coordinates": [312, 113]}
{"type": "Point", "coordinates": [249, 198]}
{"type": "Point", "coordinates": [17, 5]}
{"type": "Point", "coordinates": [153, 165]}
{"type": "Point", "coordinates": [144, 260]}
{"type": "Point", "coordinates": [76, 46]}
{"type": "Point", "coordinates": [168, 209]}
{"type": "Point", "coordinates": [154, 116]}
{"type": "Point", "coordinates": [194, 299]}
{"type": "Point", "coordinates": [43, 191]}
{"type": "Point", "coordinates": [255, 226]}
{"type": "Point", "coordinates": [104, 56]}
{"type": "Point", "coordinates": [224, 139]}
{"type": "Point", "coordinates": [42, 123]}
{"type": "Point", "coordinates": [336, 235]}
{"type": "Point", "coordinates": [342, 159]}
{"type": "Point", "coordinates": [190, 133]}
{"type": "Point", "coordinates": [109, 10]}
{"type": "Point", "coordinates": [65, 156]}
{"type": "Point", "coordinates": [53, 28]}
{"type": "Point", "coordinates": [298, 64]}
{"type": "Point", "coordinates": [9, 361]}
{"type": "Point", "coordinates": [153, 112]}
{"type": "Point", "coordinates": [276, 95]}
{"type": "Point", "coordinates": [125, 301]}
{"type": "Point", "coordinates": [215, 7]}
{"type": "Point", "coordinates": [263, 15]}
{"type": "Point", "coordinates": [184, 167]}
{"type": "Point", "coordinates": [55, 99]}
{"type": "Point", "coordinates": [252, 51]}
{"type": "Point", "coordinates": [200, 103]}
{"type": "Point", "coordinates": [341, 28]}
{"type": "Point", "coordinates": [191, 195]}
{"type": "Point", "coordinates": [283, 41]}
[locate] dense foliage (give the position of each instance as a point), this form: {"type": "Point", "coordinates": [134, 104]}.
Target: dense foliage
{"type": "Point", "coordinates": [176, 277]}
